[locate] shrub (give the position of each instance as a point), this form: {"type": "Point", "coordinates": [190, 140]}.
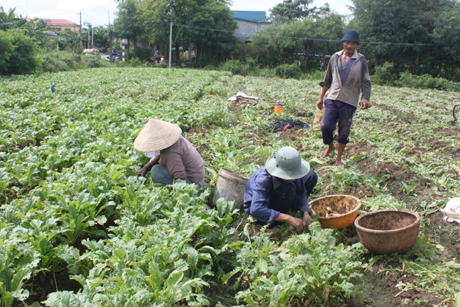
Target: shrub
{"type": "Point", "coordinates": [267, 73]}
{"type": "Point", "coordinates": [55, 61]}
{"type": "Point", "coordinates": [159, 65]}
{"type": "Point", "coordinates": [6, 48]}
{"type": "Point", "coordinates": [92, 61]}
{"type": "Point", "coordinates": [210, 67]}
{"type": "Point", "coordinates": [17, 53]}
{"type": "Point", "coordinates": [141, 53]}
{"type": "Point", "coordinates": [314, 75]}
{"type": "Point", "coordinates": [288, 71]}
{"type": "Point", "coordinates": [384, 75]}
{"type": "Point", "coordinates": [243, 68]}
{"type": "Point", "coordinates": [427, 81]}
{"type": "Point", "coordinates": [233, 66]}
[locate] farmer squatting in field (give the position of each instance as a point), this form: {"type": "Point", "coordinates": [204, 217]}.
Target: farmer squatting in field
{"type": "Point", "coordinates": [347, 74]}
{"type": "Point", "coordinates": [172, 156]}
{"type": "Point", "coordinates": [284, 183]}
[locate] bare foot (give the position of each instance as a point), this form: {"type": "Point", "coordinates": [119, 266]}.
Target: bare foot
{"type": "Point", "coordinates": [273, 229]}
{"type": "Point", "coordinates": [339, 162]}
{"type": "Point", "coordinates": [329, 149]}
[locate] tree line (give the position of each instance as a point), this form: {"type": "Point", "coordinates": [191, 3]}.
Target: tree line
{"type": "Point", "coordinates": [24, 44]}
{"type": "Point", "coordinates": [421, 37]}
{"type": "Point", "coordinates": [418, 36]}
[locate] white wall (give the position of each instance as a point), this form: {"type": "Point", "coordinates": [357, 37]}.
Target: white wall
{"type": "Point", "coordinates": [247, 28]}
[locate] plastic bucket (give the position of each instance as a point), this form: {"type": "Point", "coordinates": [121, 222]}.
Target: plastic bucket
{"type": "Point", "coordinates": [230, 186]}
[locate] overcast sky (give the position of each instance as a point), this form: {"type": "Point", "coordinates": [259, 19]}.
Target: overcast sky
{"type": "Point", "coordinates": [97, 12]}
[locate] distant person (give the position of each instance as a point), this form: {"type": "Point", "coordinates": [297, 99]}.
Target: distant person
{"type": "Point", "coordinates": [172, 156]}
{"type": "Point", "coordinates": [346, 76]}
{"type": "Point", "coordinates": [283, 184]}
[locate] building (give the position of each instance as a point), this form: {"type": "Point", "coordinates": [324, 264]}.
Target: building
{"type": "Point", "coordinates": [59, 25]}
{"type": "Point", "coordinates": [248, 23]}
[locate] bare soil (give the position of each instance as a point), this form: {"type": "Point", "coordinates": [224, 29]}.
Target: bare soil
{"type": "Point", "coordinates": [40, 286]}
{"type": "Point", "coordinates": [380, 290]}
{"type": "Point", "coordinates": [293, 134]}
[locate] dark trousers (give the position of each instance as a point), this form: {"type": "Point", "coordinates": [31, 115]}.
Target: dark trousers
{"type": "Point", "coordinates": [161, 175]}
{"type": "Point", "coordinates": [282, 199]}
{"type": "Point", "coordinates": [341, 111]}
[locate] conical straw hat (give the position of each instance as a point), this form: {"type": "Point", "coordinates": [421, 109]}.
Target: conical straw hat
{"type": "Point", "coordinates": [157, 135]}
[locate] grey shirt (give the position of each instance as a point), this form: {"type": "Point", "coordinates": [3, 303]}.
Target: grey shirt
{"type": "Point", "coordinates": [183, 161]}
{"type": "Point", "coordinates": [358, 80]}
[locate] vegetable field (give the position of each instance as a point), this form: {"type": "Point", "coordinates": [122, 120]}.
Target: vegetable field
{"type": "Point", "coordinates": [78, 228]}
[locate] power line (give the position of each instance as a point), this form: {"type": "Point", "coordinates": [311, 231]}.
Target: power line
{"type": "Point", "coordinates": [291, 37]}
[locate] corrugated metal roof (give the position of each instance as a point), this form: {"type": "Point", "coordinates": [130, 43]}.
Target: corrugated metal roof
{"type": "Point", "coordinates": [256, 16]}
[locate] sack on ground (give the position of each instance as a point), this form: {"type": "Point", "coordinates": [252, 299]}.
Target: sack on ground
{"type": "Point", "coordinates": [316, 122]}
{"type": "Point", "coordinates": [318, 117]}
{"type": "Point", "coordinates": [452, 210]}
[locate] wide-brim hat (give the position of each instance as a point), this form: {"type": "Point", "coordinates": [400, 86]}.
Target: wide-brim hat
{"type": "Point", "coordinates": [287, 164]}
{"type": "Point", "coordinates": [351, 36]}
{"type": "Point", "coordinates": [157, 135]}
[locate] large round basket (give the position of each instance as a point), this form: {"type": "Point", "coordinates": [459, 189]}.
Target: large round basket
{"type": "Point", "coordinates": [388, 231]}
{"type": "Point", "coordinates": [336, 211]}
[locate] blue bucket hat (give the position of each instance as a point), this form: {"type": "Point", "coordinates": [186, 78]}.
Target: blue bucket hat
{"type": "Point", "coordinates": [351, 36]}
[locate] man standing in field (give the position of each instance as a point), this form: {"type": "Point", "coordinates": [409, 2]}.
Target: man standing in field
{"type": "Point", "coordinates": [283, 184]}
{"type": "Point", "coordinates": [347, 74]}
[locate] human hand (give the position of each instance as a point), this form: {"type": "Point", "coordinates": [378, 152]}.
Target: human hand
{"type": "Point", "coordinates": [141, 172]}
{"type": "Point", "coordinates": [319, 103]}
{"type": "Point", "coordinates": [363, 104]}
{"type": "Point", "coordinates": [307, 220]}
{"type": "Point", "coordinates": [296, 223]}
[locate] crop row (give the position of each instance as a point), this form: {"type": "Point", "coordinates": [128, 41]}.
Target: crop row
{"type": "Point", "coordinates": [71, 200]}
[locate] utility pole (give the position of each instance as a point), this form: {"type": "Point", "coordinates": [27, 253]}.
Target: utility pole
{"type": "Point", "coordinates": [110, 40]}
{"type": "Point", "coordinates": [80, 23]}
{"type": "Point", "coordinates": [88, 38]}
{"type": "Point", "coordinates": [92, 37]}
{"type": "Point", "coordinates": [170, 43]}
{"type": "Point", "coordinates": [80, 28]}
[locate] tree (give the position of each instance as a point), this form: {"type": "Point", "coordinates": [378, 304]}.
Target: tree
{"type": "Point", "coordinates": [290, 10]}
{"type": "Point", "coordinates": [17, 52]}
{"type": "Point", "coordinates": [417, 36]}
{"type": "Point", "coordinates": [298, 40]}
{"type": "Point", "coordinates": [210, 28]}
{"type": "Point", "coordinates": [9, 20]}
{"type": "Point", "coordinates": [101, 38]}
{"type": "Point", "coordinates": [6, 48]}
{"type": "Point", "coordinates": [205, 24]}
{"type": "Point", "coordinates": [34, 28]}
{"type": "Point", "coordinates": [127, 23]}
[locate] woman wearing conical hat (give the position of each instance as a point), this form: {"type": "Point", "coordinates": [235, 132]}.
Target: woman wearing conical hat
{"type": "Point", "coordinates": [172, 156]}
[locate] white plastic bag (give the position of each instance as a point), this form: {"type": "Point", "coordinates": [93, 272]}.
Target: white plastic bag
{"type": "Point", "coordinates": [452, 210]}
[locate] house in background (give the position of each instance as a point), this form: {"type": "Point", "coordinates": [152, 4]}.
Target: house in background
{"type": "Point", "coordinates": [248, 23]}
{"type": "Point", "coordinates": [59, 25]}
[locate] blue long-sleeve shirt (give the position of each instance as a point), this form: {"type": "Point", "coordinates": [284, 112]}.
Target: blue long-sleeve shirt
{"type": "Point", "coordinates": [257, 196]}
